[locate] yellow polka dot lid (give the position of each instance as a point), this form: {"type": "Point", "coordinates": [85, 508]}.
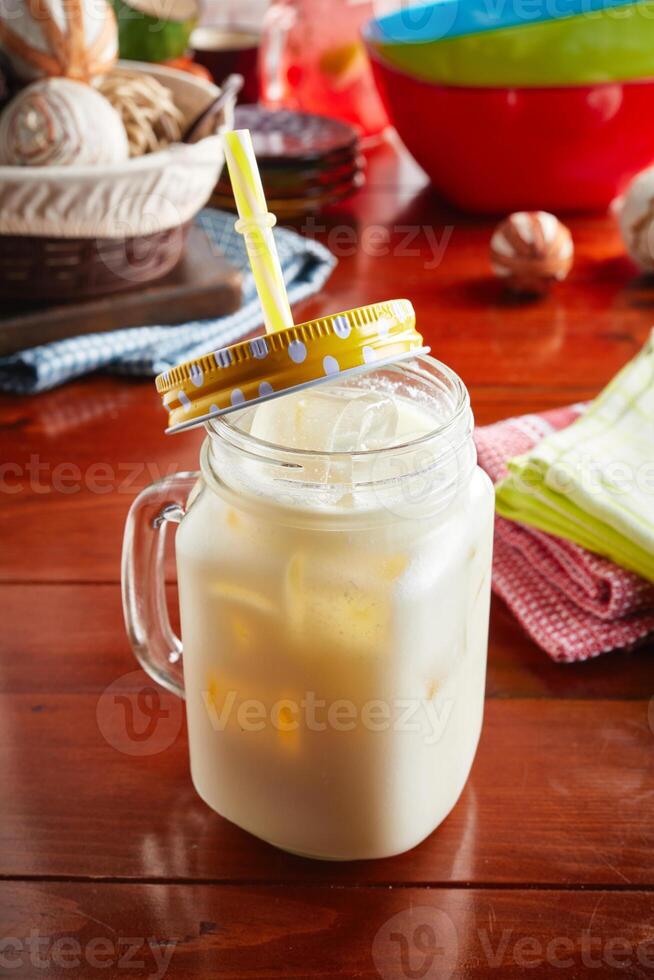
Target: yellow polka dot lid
{"type": "Point", "coordinates": [285, 360]}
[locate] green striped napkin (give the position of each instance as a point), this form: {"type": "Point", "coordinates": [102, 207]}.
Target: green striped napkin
{"type": "Point", "coordinates": [593, 483]}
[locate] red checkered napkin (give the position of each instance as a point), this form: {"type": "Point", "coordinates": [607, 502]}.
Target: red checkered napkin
{"type": "Point", "coordinates": [574, 604]}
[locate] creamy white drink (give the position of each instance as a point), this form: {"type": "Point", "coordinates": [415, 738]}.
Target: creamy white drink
{"type": "Point", "coordinates": [334, 576]}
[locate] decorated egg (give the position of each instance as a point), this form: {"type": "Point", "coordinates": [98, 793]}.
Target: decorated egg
{"type": "Point", "coordinates": [635, 214]}
{"type": "Point", "coordinates": [59, 122]}
{"type": "Point", "coordinates": [74, 38]}
{"type": "Point", "coordinates": [530, 251]}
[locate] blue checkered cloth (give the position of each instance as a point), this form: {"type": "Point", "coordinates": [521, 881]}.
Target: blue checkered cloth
{"type": "Point", "coordinates": [149, 350]}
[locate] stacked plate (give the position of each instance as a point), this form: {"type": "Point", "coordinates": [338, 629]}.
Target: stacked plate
{"type": "Point", "coordinates": [512, 105]}
{"type": "Point", "coordinates": [307, 162]}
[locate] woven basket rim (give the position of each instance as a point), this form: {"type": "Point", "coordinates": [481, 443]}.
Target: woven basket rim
{"type": "Point", "coordinates": [81, 240]}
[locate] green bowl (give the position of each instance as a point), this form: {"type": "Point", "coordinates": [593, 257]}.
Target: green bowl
{"type": "Point", "coordinates": [615, 44]}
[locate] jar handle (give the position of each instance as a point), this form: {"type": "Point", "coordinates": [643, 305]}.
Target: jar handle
{"type": "Point", "coordinates": [155, 645]}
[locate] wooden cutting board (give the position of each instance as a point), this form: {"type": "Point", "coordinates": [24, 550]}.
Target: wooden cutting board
{"type": "Point", "coordinates": [203, 285]}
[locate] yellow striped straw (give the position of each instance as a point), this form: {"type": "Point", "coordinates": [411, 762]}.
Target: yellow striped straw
{"type": "Point", "coordinates": [256, 224]}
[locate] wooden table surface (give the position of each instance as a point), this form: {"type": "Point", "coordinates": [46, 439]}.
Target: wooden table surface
{"type": "Point", "coordinates": [110, 862]}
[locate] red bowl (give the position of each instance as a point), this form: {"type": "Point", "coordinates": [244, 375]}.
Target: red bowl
{"type": "Point", "coordinates": [494, 150]}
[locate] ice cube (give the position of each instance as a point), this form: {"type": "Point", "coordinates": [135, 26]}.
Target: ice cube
{"type": "Point", "coordinates": [368, 421]}
{"type": "Point", "coordinates": [302, 420]}
{"type": "Point", "coordinates": [330, 420]}
{"type": "Point", "coordinates": [338, 420]}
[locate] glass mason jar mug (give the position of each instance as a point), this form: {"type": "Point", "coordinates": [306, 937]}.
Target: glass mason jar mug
{"type": "Point", "coordinates": [334, 610]}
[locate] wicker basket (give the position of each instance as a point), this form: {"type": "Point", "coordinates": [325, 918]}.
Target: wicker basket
{"type": "Point", "coordinates": [73, 232]}
{"type": "Point", "coordinates": [76, 268]}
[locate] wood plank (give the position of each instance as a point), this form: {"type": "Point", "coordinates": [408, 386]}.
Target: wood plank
{"type": "Point", "coordinates": [77, 644]}
{"type": "Point", "coordinates": [559, 794]}
{"type": "Point", "coordinates": [499, 340]}
{"type": "Point", "coordinates": [517, 667]}
{"type": "Point", "coordinates": [235, 933]}
{"type": "Point", "coordinates": [73, 465]}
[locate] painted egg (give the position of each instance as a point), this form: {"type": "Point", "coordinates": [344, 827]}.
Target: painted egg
{"type": "Point", "coordinates": [59, 122]}
{"type": "Point", "coordinates": [74, 38]}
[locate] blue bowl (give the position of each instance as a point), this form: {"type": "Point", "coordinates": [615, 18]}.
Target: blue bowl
{"type": "Point", "coordinates": [454, 18]}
